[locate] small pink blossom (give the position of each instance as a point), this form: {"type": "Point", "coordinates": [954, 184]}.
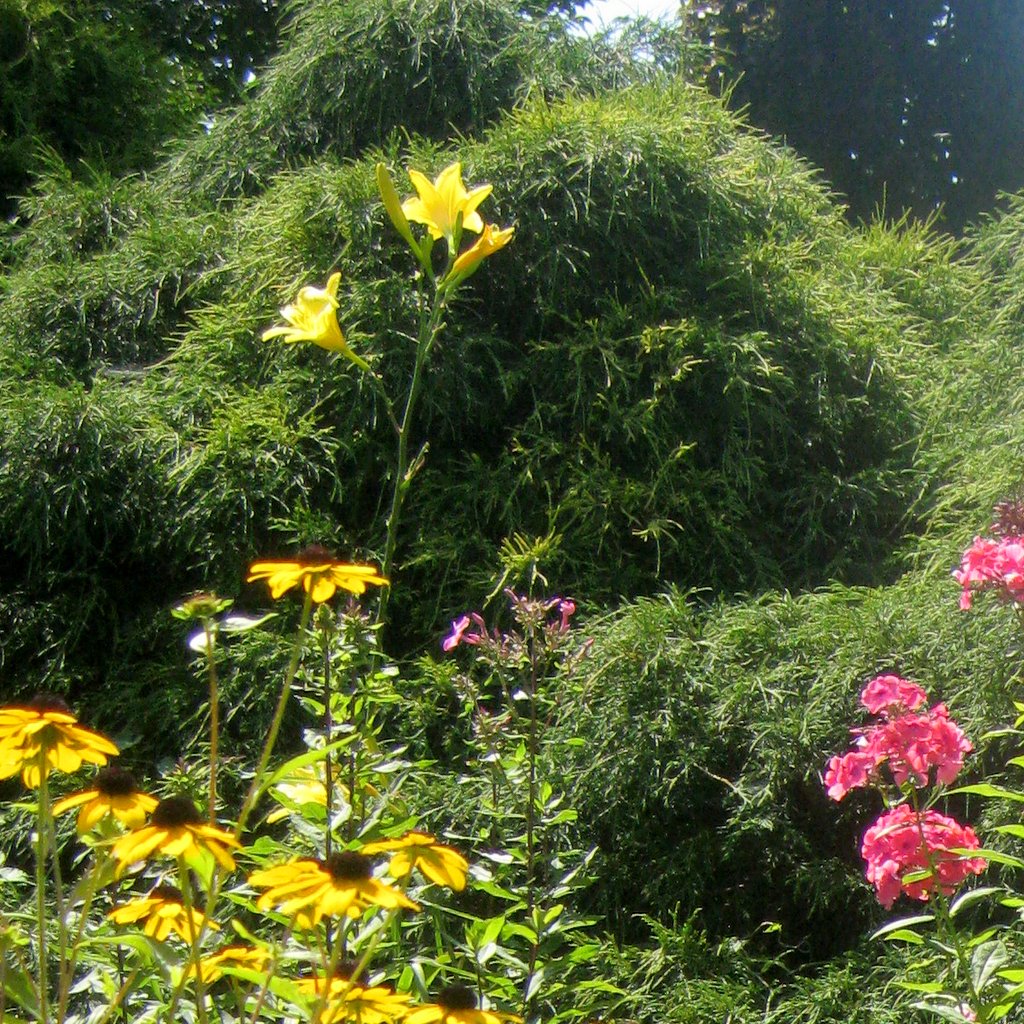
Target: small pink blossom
{"type": "Point", "coordinates": [992, 565]}
{"type": "Point", "coordinates": [454, 638]}
{"type": "Point", "coordinates": [851, 771]}
{"type": "Point", "coordinates": [885, 692]}
{"type": "Point", "coordinates": [566, 609]}
{"type": "Point", "coordinates": [903, 841]}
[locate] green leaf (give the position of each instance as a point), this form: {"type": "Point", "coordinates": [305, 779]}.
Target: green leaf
{"type": "Point", "coordinates": [903, 922]}
{"type": "Point", "coordinates": [904, 935]}
{"type": "Point", "coordinates": [972, 896]}
{"type": "Point", "coordinates": [987, 789]}
{"type": "Point", "coordinates": [992, 856]}
{"type": "Point", "coordinates": [534, 984]}
{"type": "Point", "coordinates": [985, 961]}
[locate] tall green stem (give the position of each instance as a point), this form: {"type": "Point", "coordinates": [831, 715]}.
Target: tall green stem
{"type": "Point", "coordinates": [211, 672]}
{"type": "Point", "coordinates": [42, 834]}
{"type": "Point", "coordinates": [256, 787]}
{"type": "Point", "coordinates": [430, 325]}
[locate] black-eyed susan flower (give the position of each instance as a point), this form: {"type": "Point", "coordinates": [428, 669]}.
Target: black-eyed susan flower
{"type": "Point", "coordinates": [163, 912]}
{"type": "Point", "coordinates": [316, 570]}
{"type": "Point", "coordinates": [114, 793]}
{"type": "Point", "coordinates": [44, 736]}
{"type": "Point", "coordinates": [314, 317]}
{"type": "Point", "coordinates": [313, 889]}
{"type": "Point", "coordinates": [175, 830]}
{"type": "Point", "coordinates": [345, 998]}
{"type": "Point", "coordinates": [439, 203]}
{"type": "Point", "coordinates": [441, 864]}
{"type": "Point", "coordinates": [491, 239]}
{"type": "Point", "coordinates": [375, 1005]}
{"type": "Point", "coordinates": [251, 958]}
{"type": "Point", "coordinates": [456, 1004]}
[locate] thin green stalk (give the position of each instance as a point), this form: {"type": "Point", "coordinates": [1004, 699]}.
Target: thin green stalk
{"type": "Point", "coordinates": [430, 326]}
{"type": "Point", "coordinates": [42, 814]}
{"type": "Point", "coordinates": [326, 635]}
{"type": "Point", "coordinates": [185, 885]}
{"type": "Point", "coordinates": [531, 811]}
{"type": "Point", "coordinates": [947, 929]}
{"type": "Point", "coordinates": [255, 788]}
{"type": "Point", "coordinates": [68, 965]}
{"type": "Point", "coordinates": [211, 671]}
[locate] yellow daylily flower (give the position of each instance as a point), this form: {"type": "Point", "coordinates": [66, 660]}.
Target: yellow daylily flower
{"type": "Point", "coordinates": [314, 317]}
{"type": "Point", "coordinates": [438, 204]}
{"type": "Point", "coordinates": [490, 241]}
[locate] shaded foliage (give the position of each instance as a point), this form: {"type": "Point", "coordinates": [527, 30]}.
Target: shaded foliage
{"type": "Point", "coordinates": [906, 106]}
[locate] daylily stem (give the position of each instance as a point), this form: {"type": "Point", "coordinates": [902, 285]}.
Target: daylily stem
{"type": "Point", "coordinates": [430, 325]}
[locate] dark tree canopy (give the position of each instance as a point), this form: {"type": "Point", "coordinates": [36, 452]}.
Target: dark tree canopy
{"type": "Point", "coordinates": [905, 105]}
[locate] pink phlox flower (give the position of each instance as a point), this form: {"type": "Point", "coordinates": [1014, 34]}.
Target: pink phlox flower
{"type": "Point", "coordinates": [458, 635]}
{"type": "Point", "coordinates": [903, 841]}
{"type": "Point", "coordinates": [915, 744]}
{"type": "Point", "coordinates": [566, 610]}
{"type": "Point", "coordinates": [454, 638]}
{"type": "Point", "coordinates": [992, 565]}
{"type": "Point", "coordinates": [851, 771]}
{"type": "Point", "coordinates": [886, 692]}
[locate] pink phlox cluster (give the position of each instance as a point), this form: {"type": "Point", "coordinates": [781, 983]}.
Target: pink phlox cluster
{"type": "Point", "coordinates": [884, 693]}
{"type": "Point", "coordinates": [903, 841]}
{"type": "Point", "coordinates": [911, 743]}
{"type": "Point", "coordinates": [527, 610]}
{"type": "Point", "coordinates": [990, 564]}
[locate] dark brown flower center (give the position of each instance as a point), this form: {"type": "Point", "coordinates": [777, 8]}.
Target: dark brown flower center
{"type": "Point", "coordinates": [43, 702]}
{"type": "Point", "coordinates": [346, 970]}
{"type": "Point", "coordinates": [167, 893]}
{"type": "Point", "coordinates": [315, 554]}
{"type": "Point", "coordinates": [456, 997]}
{"type": "Point", "coordinates": [176, 811]}
{"type": "Point", "coordinates": [349, 866]}
{"type": "Point", "coordinates": [114, 781]}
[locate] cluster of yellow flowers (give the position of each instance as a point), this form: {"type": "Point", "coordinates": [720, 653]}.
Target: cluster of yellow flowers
{"type": "Point", "coordinates": [44, 736]}
{"type": "Point", "coordinates": [445, 208]}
